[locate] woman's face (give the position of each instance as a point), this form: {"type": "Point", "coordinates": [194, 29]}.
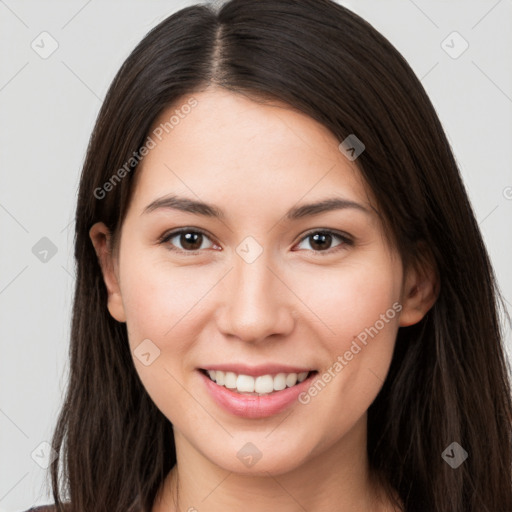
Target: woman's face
{"type": "Point", "coordinates": [257, 284]}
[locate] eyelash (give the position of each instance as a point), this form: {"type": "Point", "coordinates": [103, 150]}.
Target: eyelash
{"type": "Point", "coordinates": [345, 240]}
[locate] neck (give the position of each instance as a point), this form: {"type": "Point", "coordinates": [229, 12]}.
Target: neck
{"type": "Point", "coordinates": [338, 478]}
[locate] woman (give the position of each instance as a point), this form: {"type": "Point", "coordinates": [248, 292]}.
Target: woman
{"type": "Point", "coordinates": [282, 298]}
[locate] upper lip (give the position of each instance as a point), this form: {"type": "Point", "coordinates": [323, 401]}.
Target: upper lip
{"type": "Point", "coordinates": [256, 371]}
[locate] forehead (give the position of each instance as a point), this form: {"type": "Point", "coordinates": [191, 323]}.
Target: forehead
{"type": "Point", "coordinates": [230, 149]}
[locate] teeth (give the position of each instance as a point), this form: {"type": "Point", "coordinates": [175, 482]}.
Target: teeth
{"type": "Point", "coordinates": [262, 385]}
{"type": "Point", "coordinates": [301, 376]}
{"type": "Point", "coordinates": [230, 380]}
{"type": "Point", "coordinates": [291, 379]}
{"type": "Point", "coordinates": [244, 383]}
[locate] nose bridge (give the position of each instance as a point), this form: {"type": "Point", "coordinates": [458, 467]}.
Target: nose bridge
{"type": "Point", "coordinates": [256, 304]}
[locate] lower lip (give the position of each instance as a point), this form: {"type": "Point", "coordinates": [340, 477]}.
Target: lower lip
{"type": "Point", "coordinates": [252, 406]}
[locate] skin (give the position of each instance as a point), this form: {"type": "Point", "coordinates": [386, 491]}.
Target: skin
{"type": "Point", "coordinates": [295, 304]}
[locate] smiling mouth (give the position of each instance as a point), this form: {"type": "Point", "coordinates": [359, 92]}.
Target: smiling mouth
{"type": "Point", "coordinates": [256, 386]}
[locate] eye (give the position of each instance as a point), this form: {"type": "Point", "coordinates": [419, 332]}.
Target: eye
{"type": "Point", "coordinates": [321, 241]}
{"type": "Point", "coordinates": [190, 240]}
{"type": "Point", "coordinates": [187, 240]}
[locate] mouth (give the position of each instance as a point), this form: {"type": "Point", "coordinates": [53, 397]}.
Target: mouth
{"type": "Point", "coordinates": [261, 385]}
{"type": "Point", "coordinates": [255, 396]}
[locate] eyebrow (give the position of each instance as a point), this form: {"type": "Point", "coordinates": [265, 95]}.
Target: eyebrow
{"type": "Point", "coordinates": [185, 204]}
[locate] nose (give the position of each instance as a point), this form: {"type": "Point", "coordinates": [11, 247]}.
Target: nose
{"type": "Point", "coordinates": [256, 302]}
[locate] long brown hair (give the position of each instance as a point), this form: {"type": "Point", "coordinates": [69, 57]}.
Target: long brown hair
{"type": "Point", "coordinates": [448, 381]}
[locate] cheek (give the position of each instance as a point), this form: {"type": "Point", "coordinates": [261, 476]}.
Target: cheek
{"type": "Point", "coordinates": [161, 302]}
{"type": "Point", "coordinates": [360, 304]}
{"type": "Point", "coordinates": [162, 306]}
{"type": "Point", "coordinates": [353, 297]}
{"type": "Point", "coordinates": [166, 303]}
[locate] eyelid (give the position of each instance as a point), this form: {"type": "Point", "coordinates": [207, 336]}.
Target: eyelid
{"type": "Point", "coordinates": [344, 237]}
{"type": "Point", "coordinates": [178, 231]}
{"type": "Point", "coordinates": [330, 231]}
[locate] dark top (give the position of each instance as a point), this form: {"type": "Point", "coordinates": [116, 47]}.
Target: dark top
{"type": "Point", "coordinates": [43, 508]}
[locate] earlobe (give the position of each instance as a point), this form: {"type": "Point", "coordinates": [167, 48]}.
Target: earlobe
{"type": "Point", "coordinates": [101, 240]}
{"type": "Point", "coordinates": [419, 294]}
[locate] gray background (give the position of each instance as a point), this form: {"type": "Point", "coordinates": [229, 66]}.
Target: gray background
{"type": "Point", "coordinates": [47, 110]}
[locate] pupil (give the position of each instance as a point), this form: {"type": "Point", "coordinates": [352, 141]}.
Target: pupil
{"type": "Point", "coordinates": [320, 238]}
{"type": "Point", "coordinates": [190, 240]}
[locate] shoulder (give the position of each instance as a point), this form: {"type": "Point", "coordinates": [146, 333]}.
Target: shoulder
{"type": "Point", "coordinates": [44, 508]}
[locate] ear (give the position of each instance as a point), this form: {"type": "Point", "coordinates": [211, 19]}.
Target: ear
{"type": "Point", "coordinates": [419, 292]}
{"type": "Point", "coordinates": [101, 240]}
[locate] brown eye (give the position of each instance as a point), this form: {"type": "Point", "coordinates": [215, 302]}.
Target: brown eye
{"type": "Point", "coordinates": [186, 240]}
{"type": "Point", "coordinates": [321, 241]}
